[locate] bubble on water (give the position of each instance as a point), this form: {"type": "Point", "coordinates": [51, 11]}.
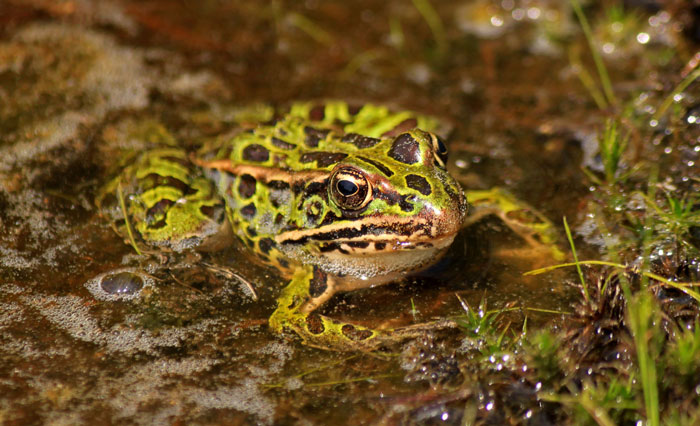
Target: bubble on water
{"type": "Point", "coordinates": [246, 397]}
{"type": "Point", "coordinates": [141, 382]}
{"type": "Point", "coordinates": [119, 284]}
{"type": "Point", "coordinates": [10, 313]}
{"type": "Point", "coordinates": [122, 283]}
{"type": "Point", "coordinates": [73, 316]}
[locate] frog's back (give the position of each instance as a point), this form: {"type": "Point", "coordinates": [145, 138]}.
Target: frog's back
{"type": "Point", "coordinates": [278, 189]}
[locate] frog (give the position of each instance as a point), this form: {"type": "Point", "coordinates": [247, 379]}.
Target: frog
{"type": "Point", "coordinates": [335, 197]}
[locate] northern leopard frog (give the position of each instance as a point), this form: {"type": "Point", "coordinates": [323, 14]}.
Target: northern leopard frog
{"type": "Point", "coordinates": [336, 198]}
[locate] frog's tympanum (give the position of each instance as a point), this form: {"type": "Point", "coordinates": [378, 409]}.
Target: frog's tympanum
{"type": "Point", "coordinates": [335, 198]}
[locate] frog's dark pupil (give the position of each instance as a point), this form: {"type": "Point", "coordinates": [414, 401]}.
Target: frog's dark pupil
{"type": "Point", "coordinates": [441, 146]}
{"type": "Point", "coordinates": [347, 188]}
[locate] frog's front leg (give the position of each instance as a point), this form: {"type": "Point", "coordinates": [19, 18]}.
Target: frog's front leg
{"type": "Point", "coordinates": [310, 288]}
{"type": "Point", "coordinates": [531, 225]}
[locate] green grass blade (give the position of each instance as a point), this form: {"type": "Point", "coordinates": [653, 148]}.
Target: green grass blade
{"type": "Point", "coordinates": [640, 313]}
{"type": "Point", "coordinates": [129, 230]}
{"type": "Point", "coordinates": [600, 66]}
{"type": "Point", "coordinates": [311, 28]}
{"type": "Point", "coordinates": [578, 265]}
{"type": "Point", "coordinates": [681, 87]}
{"type": "Point", "coordinates": [682, 286]}
{"type": "Point", "coordinates": [433, 20]}
{"type": "Point", "coordinates": [586, 79]}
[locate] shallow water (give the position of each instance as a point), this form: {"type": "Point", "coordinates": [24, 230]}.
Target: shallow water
{"type": "Point", "coordinates": [83, 80]}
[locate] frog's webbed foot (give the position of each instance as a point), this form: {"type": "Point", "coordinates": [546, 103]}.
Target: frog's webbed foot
{"type": "Point", "coordinates": [533, 227]}
{"type": "Point", "coordinates": [309, 289]}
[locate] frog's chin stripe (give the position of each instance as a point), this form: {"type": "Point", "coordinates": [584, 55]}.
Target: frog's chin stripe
{"type": "Point", "coordinates": [380, 245]}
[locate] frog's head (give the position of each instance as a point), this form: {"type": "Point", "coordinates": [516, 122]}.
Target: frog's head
{"type": "Point", "coordinates": [388, 209]}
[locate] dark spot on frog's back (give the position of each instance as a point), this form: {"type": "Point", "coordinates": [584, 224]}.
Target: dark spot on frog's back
{"type": "Point", "coordinates": [246, 186]}
{"type": "Point", "coordinates": [317, 113]}
{"type": "Point", "coordinates": [329, 247]}
{"type": "Point", "coordinates": [450, 191]}
{"type": "Point", "coordinates": [419, 183]}
{"type": "Point", "coordinates": [155, 215]}
{"type": "Point", "coordinates": [322, 159]}
{"type": "Point", "coordinates": [355, 333]}
{"type": "Point", "coordinates": [279, 185]}
{"type": "Point", "coordinates": [153, 180]}
{"type": "Point", "coordinates": [256, 153]}
{"type": "Point", "coordinates": [405, 149]}
{"type": "Point", "coordinates": [266, 244]}
{"type": "Point", "coordinates": [251, 232]}
{"type": "Point", "coordinates": [405, 203]}
{"type": "Point", "coordinates": [358, 244]}
{"type": "Point", "coordinates": [279, 143]}
{"type": "Point", "coordinates": [248, 211]}
{"type": "Point", "coordinates": [360, 141]}
{"type": "Point", "coordinates": [382, 168]}
{"type": "Point", "coordinates": [215, 213]}
{"type": "Point", "coordinates": [314, 324]}
{"type": "Point", "coordinates": [282, 262]}
{"type": "Point", "coordinates": [319, 283]}
{"type": "Point", "coordinates": [314, 136]}
{"type": "Point", "coordinates": [315, 188]}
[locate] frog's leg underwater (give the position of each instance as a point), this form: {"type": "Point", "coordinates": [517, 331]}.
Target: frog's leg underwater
{"type": "Point", "coordinates": [310, 288]}
{"type": "Point", "coordinates": [159, 200]}
{"type": "Point", "coordinates": [538, 232]}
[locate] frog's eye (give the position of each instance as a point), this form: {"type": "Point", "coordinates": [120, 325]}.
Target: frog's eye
{"type": "Point", "coordinates": [349, 188]}
{"type": "Point", "coordinates": [440, 150]}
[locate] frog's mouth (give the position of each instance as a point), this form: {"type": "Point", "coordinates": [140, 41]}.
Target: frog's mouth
{"type": "Point", "coordinates": [372, 249]}
{"type": "Point", "coordinates": [377, 234]}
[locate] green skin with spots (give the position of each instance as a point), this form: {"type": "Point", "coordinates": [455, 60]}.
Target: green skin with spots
{"type": "Point", "coordinates": [337, 198]}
